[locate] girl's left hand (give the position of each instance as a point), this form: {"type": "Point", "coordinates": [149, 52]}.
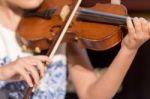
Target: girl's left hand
{"type": "Point", "coordinates": [138, 33]}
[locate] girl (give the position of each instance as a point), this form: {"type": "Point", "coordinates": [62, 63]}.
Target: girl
{"type": "Point", "coordinates": [53, 85]}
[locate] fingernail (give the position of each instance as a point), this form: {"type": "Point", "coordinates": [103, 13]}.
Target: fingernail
{"type": "Point", "coordinates": [128, 18]}
{"type": "Point", "coordinates": [43, 74]}
{"type": "Point", "coordinates": [31, 85]}
{"type": "Point", "coordinates": [38, 83]}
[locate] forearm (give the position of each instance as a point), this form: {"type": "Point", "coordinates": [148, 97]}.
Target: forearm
{"type": "Point", "coordinates": [5, 72]}
{"type": "Point", "coordinates": [108, 84]}
{"type": "Point", "coordinates": [0, 73]}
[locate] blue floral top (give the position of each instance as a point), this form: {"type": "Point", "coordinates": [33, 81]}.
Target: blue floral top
{"type": "Point", "coordinates": [52, 86]}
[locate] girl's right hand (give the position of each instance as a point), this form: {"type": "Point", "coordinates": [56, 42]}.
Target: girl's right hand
{"type": "Point", "coordinates": [29, 68]}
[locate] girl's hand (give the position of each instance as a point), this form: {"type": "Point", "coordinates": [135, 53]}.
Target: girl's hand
{"type": "Point", "coordinates": [28, 68]}
{"type": "Point", "coordinates": [138, 33]}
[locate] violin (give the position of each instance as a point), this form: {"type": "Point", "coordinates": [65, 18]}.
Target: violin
{"type": "Point", "coordinates": [96, 28]}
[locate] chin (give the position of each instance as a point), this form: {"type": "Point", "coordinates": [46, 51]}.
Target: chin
{"type": "Point", "coordinates": [31, 4]}
{"type": "Point", "coordinates": [26, 4]}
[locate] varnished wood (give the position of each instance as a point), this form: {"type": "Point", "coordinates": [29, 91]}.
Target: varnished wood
{"type": "Point", "coordinates": [38, 32]}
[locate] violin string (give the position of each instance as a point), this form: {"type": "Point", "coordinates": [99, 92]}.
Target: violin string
{"type": "Point", "coordinates": [100, 16]}
{"type": "Point", "coordinates": [101, 19]}
{"type": "Point", "coordinates": [94, 12]}
{"type": "Point", "coordinates": [92, 16]}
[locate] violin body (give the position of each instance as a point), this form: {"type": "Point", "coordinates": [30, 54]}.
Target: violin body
{"type": "Point", "coordinates": [39, 32]}
{"type": "Point", "coordinates": [99, 35]}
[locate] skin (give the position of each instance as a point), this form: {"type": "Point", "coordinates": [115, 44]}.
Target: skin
{"type": "Point", "coordinates": [81, 73]}
{"type": "Point", "coordinates": [23, 4]}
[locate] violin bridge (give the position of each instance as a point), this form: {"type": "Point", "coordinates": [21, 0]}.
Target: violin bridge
{"type": "Point", "coordinates": [64, 12]}
{"type": "Point", "coordinates": [117, 2]}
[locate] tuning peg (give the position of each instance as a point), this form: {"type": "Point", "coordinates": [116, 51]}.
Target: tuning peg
{"type": "Point", "coordinates": [64, 12]}
{"type": "Point", "coordinates": [37, 50]}
{"type": "Point", "coordinates": [24, 48]}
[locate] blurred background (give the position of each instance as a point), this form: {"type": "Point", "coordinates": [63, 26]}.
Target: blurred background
{"type": "Point", "coordinates": [136, 84]}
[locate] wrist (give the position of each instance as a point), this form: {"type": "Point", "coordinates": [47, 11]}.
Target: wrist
{"type": "Point", "coordinates": [128, 50]}
{"type": "Point", "coordinates": [3, 72]}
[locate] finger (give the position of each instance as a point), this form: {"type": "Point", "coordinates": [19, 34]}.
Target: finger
{"type": "Point", "coordinates": [26, 76]}
{"type": "Point", "coordinates": [137, 25]}
{"type": "Point", "coordinates": [38, 65]}
{"type": "Point", "coordinates": [130, 26]}
{"type": "Point", "coordinates": [149, 28]}
{"type": "Point", "coordinates": [33, 72]}
{"type": "Point", "coordinates": [43, 58]}
{"type": "Point", "coordinates": [144, 25]}
{"type": "Point", "coordinates": [41, 67]}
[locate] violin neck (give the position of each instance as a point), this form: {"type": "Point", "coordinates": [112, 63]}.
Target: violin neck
{"type": "Point", "coordinates": [98, 16]}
